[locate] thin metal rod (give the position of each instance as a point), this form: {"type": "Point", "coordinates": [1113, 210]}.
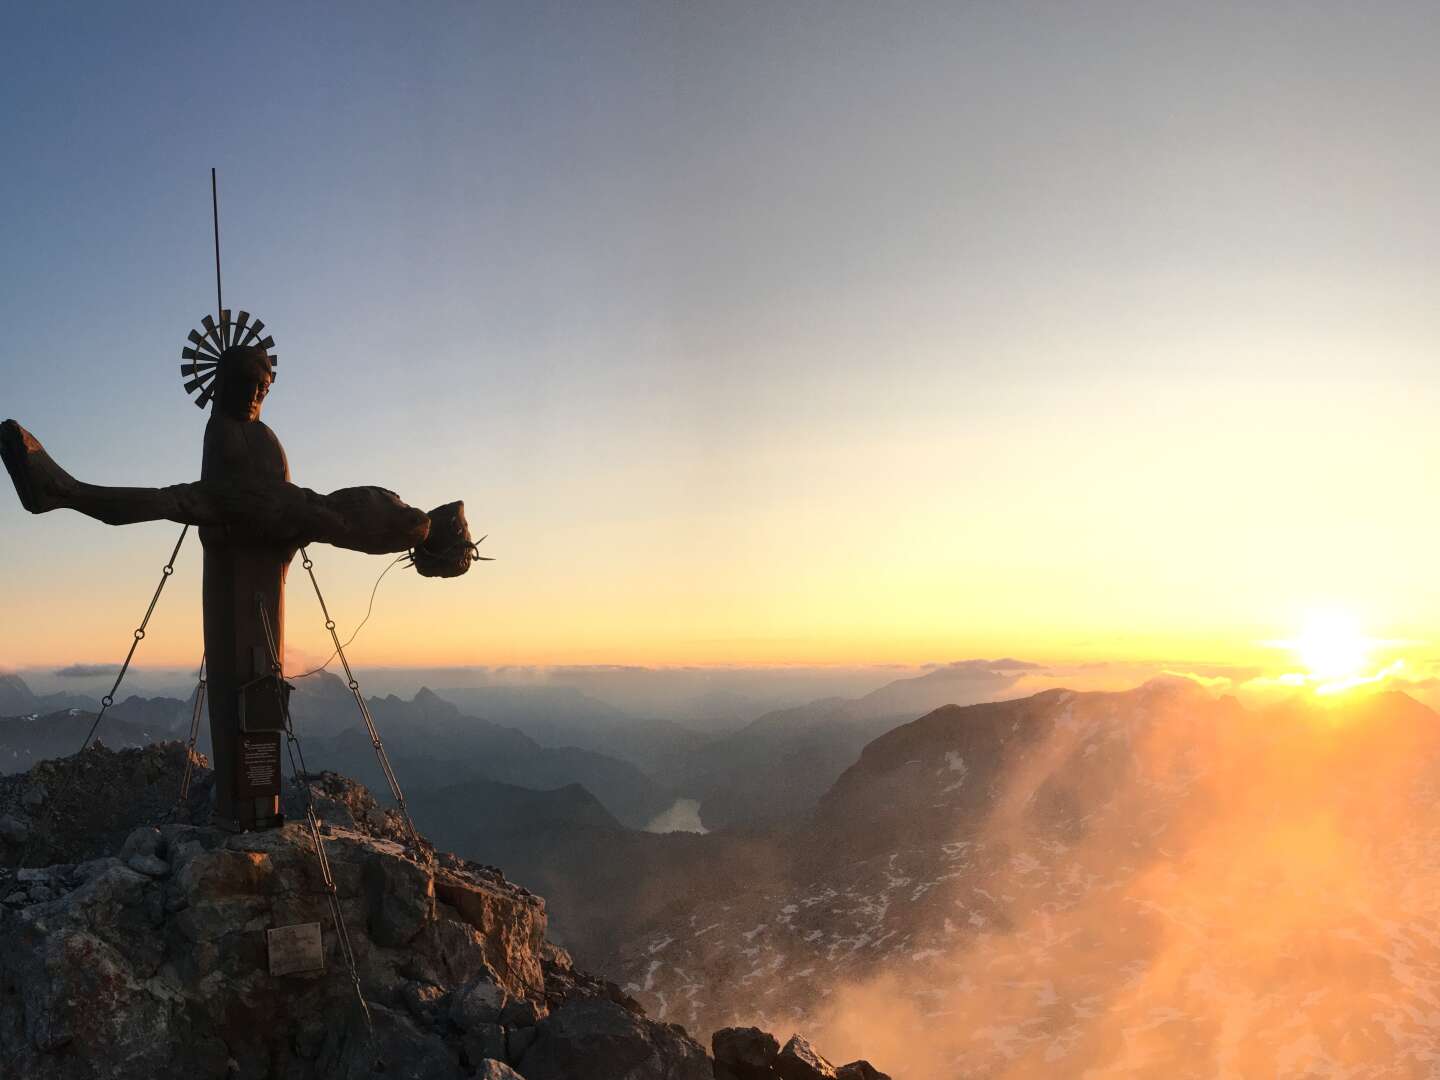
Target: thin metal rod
{"type": "Point", "coordinates": [215, 209]}
{"type": "Point", "coordinates": [197, 708]}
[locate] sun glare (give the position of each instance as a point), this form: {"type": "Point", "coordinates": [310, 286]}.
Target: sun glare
{"type": "Point", "coordinates": [1332, 648]}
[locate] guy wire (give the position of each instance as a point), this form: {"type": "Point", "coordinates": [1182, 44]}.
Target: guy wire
{"type": "Point", "coordinates": [368, 609]}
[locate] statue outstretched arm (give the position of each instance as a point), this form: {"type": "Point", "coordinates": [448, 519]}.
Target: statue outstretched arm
{"type": "Point", "coordinates": [368, 519]}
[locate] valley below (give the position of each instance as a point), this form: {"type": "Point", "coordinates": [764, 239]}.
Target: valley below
{"type": "Point", "coordinates": [1158, 882]}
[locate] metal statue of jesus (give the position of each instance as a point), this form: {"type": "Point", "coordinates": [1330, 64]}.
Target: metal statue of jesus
{"type": "Point", "coordinates": [251, 520]}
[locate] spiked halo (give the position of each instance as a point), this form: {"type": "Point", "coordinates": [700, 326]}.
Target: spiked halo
{"type": "Point", "coordinates": [203, 352]}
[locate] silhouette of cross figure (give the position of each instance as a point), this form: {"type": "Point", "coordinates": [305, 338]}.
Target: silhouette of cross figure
{"type": "Point", "coordinates": [251, 520]}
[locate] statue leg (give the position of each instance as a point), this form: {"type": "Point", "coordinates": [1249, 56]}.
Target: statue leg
{"type": "Point", "coordinates": [368, 519]}
{"type": "Point", "coordinates": [44, 486]}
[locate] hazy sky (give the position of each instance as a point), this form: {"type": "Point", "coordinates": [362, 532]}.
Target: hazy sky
{"type": "Point", "coordinates": [750, 332]}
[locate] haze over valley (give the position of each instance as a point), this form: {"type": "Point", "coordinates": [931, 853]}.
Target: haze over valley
{"type": "Point", "coordinates": [952, 872]}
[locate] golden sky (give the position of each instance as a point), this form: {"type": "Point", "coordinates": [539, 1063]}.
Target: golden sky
{"type": "Point", "coordinates": [752, 337]}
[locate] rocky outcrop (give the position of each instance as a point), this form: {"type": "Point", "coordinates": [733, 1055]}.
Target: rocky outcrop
{"type": "Point", "coordinates": [752, 1054]}
{"type": "Point", "coordinates": [80, 807]}
{"type": "Point", "coordinates": [603, 1038]}
{"type": "Point", "coordinates": [744, 1053]}
{"type": "Point", "coordinates": [147, 955]}
{"type": "Point", "coordinates": [153, 961]}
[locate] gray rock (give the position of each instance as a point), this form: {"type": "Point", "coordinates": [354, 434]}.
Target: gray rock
{"type": "Point", "coordinates": [600, 1040]}
{"type": "Point", "coordinates": [309, 1038]}
{"type": "Point", "coordinates": [401, 899]}
{"type": "Point", "coordinates": [86, 870]}
{"type": "Point", "coordinates": [145, 840]}
{"type": "Point", "coordinates": [156, 978]}
{"type": "Point", "coordinates": [516, 930]}
{"type": "Point", "coordinates": [39, 894]}
{"type": "Point", "coordinates": [485, 1041]}
{"type": "Point", "coordinates": [744, 1053]}
{"type": "Point", "coordinates": [35, 795]}
{"type": "Point", "coordinates": [517, 1041]}
{"type": "Point", "coordinates": [422, 999]}
{"type": "Point", "coordinates": [798, 1060]}
{"type": "Point", "coordinates": [72, 984]}
{"type": "Point", "coordinates": [522, 1013]}
{"type": "Point", "coordinates": [398, 1050]}
{"type": "Point", "coordinates": [19, 896]}
{"type": "Point", "coordinates": [149, 865]}
{"type": "Point", "coordinates": [860, 1070]}
{"type": "Point", "coordinates": [14, 830]}
{"type": "Point", "coordinates": [477, 1002]}
{"type": "Point", "coordinates": [29, 874]}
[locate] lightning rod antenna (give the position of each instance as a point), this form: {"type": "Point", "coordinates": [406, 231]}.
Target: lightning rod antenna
{"type": "Point", "coordinates": [215, 208]}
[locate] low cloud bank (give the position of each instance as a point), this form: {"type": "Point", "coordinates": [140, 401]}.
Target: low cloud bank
{"type": "Point", "coordinates": [86, 671]}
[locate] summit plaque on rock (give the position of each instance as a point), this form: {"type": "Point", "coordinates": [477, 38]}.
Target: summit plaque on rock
{"type": "Point", "coordinates": [295, 948]}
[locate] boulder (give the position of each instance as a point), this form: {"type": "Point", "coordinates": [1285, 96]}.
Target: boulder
{"type": "Point", "coordinates": [478, 1002]}
{"type": "Point", "coordinates": [522, 1013]}
{"type": "Point", "coordinates": [401, 898]}
{"type": "Point", "coordinates": [423, 1000]}
{"type": "Point", "coordinates": [14, 830]}
{"type": "Point", "coordinates": [517, 1041]}
{"type": "Point", "coordinates": [744, 1053]}
{"type": "Point", "coordinates": [601, 1040]}
{"type": "Point", "coordinates": [511, 925]}
{"type": "Point", "coordinates": [491, 1069]}
{"type": "Point", "coordinates": [149, 865]}
{"type": "Point", "coordinates": [145, 840]}
{"type": "Point", "coordinates": [860, 1070]}
{"type": "Point", "coordinates": [391, 1048]}
{"type": "Point", "coordinates": [485, 1041]}
{"type": "Point", "coordinates": [798, 1060]}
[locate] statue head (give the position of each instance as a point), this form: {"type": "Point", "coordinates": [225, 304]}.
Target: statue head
{"type": "Point", "coordinates": [245, 378]}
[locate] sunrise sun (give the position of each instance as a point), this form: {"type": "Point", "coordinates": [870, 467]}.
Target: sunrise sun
{"type": "Point", "coordinates": [1331, 647]}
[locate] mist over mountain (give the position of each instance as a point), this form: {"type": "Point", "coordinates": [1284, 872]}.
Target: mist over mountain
{"type": "Point", "coordinates": [1155, 882]}
{"type": "Point", "coordinates": [434, 744]}
{"type": "Point", "coordinates": [775, 769]}
{"type": "Point", "coordinates": [564, 716]}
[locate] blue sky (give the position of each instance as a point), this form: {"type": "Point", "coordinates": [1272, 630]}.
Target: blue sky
{"type": "Point", "coordinates": [750, 331]}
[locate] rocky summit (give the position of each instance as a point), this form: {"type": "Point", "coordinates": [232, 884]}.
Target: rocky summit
{"type": "Point", "coordinates": [148, 954]}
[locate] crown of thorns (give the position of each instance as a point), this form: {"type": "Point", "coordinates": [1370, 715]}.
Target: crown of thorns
{"type": "Point", "coordinates": [205, 349]}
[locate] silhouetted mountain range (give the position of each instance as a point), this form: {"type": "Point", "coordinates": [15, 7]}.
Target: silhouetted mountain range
{"type": "Point", "coordinates": [430, 741]}
{"type": "Point", "coordinates": [774, 770]}
{"type": "Point", "coordinates": [16, 699]}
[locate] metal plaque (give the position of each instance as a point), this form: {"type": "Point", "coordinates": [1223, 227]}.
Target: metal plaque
{"type": "Point", "coordinates": [295, 948]}
{"type": "Point", "coordinates": [259, 766]}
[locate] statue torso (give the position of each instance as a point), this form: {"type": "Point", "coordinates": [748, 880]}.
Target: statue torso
{"type": "Point", "coordinates": [242, 454]}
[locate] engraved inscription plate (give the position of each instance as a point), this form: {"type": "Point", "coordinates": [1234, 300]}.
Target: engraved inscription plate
{"type": "Point", "coordinates": [259, 765]}
{"type": "Point", "coordinates": [295, 948]}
